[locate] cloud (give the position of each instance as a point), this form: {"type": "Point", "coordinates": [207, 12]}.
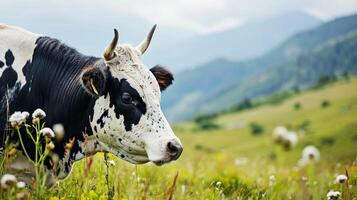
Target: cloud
{"type": "Point", "coordinates": [185, 14]}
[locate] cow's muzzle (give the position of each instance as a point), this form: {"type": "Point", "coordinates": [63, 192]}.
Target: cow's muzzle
{"type": "Point", "coordinates": [174, 149]}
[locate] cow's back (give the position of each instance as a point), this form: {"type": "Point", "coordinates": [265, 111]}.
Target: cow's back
{"type": "Point", "coordinates": [16, 49]}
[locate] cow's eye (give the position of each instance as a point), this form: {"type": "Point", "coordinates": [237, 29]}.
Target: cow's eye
{"type": "Point", "coordinates": [126, 98]}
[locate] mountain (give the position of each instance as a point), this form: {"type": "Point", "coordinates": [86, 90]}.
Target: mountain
{"type": "Point", "coordinates": [246, 41]}
{"type": "Point", "coordinates": [329, 49]}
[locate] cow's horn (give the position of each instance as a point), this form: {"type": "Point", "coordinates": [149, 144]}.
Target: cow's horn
{"type": "Point", "coordinates": [146, 42]}
{"type": "Point", "coordinates": [109, 51]}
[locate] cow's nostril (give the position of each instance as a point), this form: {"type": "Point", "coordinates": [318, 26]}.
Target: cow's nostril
{"type": "Point", "coordinates": [174, 149]}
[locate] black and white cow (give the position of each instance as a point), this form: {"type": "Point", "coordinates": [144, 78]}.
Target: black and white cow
{"type": "Point", "coordinates": [115, 100]}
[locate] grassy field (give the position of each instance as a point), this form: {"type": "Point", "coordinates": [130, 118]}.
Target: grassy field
{"type": "Point", "coordinates": [232, 163]}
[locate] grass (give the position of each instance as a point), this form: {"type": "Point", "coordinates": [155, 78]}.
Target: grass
{"type": "Point", "coordinates": [232, 163]}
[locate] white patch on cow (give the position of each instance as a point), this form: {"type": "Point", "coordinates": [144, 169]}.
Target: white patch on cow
{"type": "Point", "coordinates": [147, 140]}
{"type": "Point", "coordinates": [21, 43]}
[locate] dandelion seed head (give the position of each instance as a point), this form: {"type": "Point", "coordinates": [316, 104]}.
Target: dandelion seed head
{"type": "Point", "coordinates": [287, 139]}
{"type": "Point", "coordinates": [279, 133]}
{"type": "Point", "coordinates": [341, 178]}
{"type": "Point", "coordinates": [310, 153]}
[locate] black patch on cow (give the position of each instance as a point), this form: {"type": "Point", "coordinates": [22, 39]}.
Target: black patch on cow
{"type": "Point", "coordinates": [9, 76]}
{"type": "Point", "coordinates": [26, 67]}
{"type": "Point", "coordinates": [9, 58]}
{"type": "Point", "coordinates": [132, 113]}
{"type": "Point", "coordinates": [7, 79]}
{"type": "Point", "coordinates": [100, 121]}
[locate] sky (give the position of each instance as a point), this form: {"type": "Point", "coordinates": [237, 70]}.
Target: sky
{"type": "Point", "coordinates": [88, 24]}
{"type": "Point", "coordinates": [196, 16]}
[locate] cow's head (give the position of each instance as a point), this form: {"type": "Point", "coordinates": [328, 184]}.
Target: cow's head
{"type": "Point", "coordinates": [127, 119]}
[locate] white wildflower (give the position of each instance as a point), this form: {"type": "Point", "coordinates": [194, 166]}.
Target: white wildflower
{"type": "Point", "coordinates": [341, 178]}
{"type": "Point", "coordinates": [25, 114]}
{"type": "Point", "coordinates": [240, 161]}
{"type": "Point", "coordinates": [20, 185]}
{"type": "Point", "coordinates": [47, 132]}
{"type": "Point", "coordinates": [18, 118]}
{"type": "Point", "coordinates": [272, 178]}
{"type": "Point", "coordinates": [333, 195]}
{"type": "Point", "coordinates": [59, 131]}
{"type": "Point", "coordinates": [8, 180]}
{"type": "Point", "coordinates": [111, 162]}
{"type": "Point", "coordinates": [39, 114]}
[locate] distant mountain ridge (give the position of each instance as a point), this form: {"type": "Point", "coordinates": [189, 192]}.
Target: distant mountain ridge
{"type": "Point", "coordinates": [244, 42]}
{"type": "Point", "coordinates": [328, 49]}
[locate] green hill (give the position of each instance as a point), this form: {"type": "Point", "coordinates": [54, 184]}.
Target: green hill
{"type": "Point", "coordinates": [300, 61]}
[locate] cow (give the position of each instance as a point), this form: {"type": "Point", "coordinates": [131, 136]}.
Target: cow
{"type": "Point", "coordinates": [105, 104]}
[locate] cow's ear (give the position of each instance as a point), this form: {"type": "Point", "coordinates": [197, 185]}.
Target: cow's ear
{"type": "Point", "coordinates": [163, 76]}
{"type": "Point", "coordinates": [93, 80]}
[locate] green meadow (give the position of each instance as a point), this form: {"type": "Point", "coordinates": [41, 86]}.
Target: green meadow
{"type": "Point", "coordinates": [230, 162]}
